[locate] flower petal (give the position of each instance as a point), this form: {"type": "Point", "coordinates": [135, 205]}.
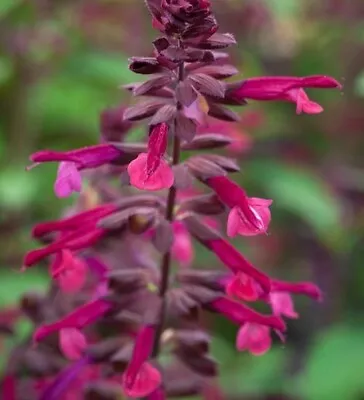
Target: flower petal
{"type": "Point", "coordinates": [162, 178]}
{"type": "Point", "coordinates": [146, 382]}
{"type": "Point", "coordinates": [72, 343]}
{"type": "Point", "coordinates": [254, 338]}
{"type": "Point", "coordinates": [68, 180]}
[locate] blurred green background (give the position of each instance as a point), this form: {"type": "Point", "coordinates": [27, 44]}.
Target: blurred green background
{"type": "Point", "coordinates": [61, 63]}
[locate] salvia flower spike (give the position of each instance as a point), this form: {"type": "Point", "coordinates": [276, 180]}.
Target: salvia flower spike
{"type": "Point", "coordinates": [113, 307]}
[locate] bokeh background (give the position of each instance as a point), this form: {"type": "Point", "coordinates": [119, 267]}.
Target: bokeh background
{"type": "Point", "coordinates": [61, 63]}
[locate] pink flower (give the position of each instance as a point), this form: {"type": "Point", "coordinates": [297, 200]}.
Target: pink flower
{"type": "Point", "coordinates": [240, 314]}
{"type": "Point", "coordinates": [282, 304]}
{"type": "Point", "coordinates": [146, 382]}
{"type": "Point", "coordinates": [72, 342]}
{"type": "Point", "coordinates": [71, 162]}
{"type": "Point", "coordinates": [79, 318]}
{"type": "Point", "coordinates": [238, 224]}
{"type": "Point", "coordinates": [69, 271]}
{"type": "Point", "coordinates": [254, 338]}
{"type": "Point", "coordinates": [182, 248]}
{"type": "Point", "coordinates": [74, 222]}
{"type": "Point", "coordinates": [243, 287]}
{"type": "Point", "coordinates": [236, 262]}
{"type": "Point", "coordinates": [248, 216]}
{"type": "Point", "coordinates": [68, 179]}
{"type": "Point", "coordinates": [81, 239]}
{"type": "Point", "coordinates": [285, 88]}
{"type": "Point", "coordinates": [141, 378]}
{"type": "Point", "coordinates": [149, 171]}
{"type": "Point", "coordinates": [305, 288]}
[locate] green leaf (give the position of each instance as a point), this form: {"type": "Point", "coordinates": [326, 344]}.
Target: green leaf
{"type": "Point", "coordinates": [301, 192]}
{"type": "Point", "coordinates": [334, 370]}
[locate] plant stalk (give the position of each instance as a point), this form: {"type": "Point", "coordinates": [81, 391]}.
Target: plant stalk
{"type": "Point", "coordinates": [166, 260]}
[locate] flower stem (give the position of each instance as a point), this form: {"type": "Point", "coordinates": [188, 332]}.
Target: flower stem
{"type": "Point", "coordinates": [166, 260]}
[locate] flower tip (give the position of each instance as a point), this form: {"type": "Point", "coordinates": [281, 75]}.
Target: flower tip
{"type": "Point", "coordinates": [278, 324]}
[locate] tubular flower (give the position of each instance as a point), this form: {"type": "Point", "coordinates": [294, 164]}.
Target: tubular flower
{"type": "Point", "coordinates": [236, 262]}
{"type": "Point", "coordinates": [72, 162]}
{"type": "Point", "coordinates": [286, 88]}
{"type": "Point", "coordinates": [149, 171]}
{"type": "Point", "coordinates": [140, 378]}
{"type": "Point", "coordinates": [77, 319]}
{"type": "Point", "coordinates": [240, 314]}
{"type": "Point", "coordinates": [248, 216]}
{"type": "Point", "coordinates": [111, 253]}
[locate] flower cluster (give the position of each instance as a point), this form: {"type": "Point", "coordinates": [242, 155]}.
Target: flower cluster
{"type": "Point", "coordinates": [111, 308]}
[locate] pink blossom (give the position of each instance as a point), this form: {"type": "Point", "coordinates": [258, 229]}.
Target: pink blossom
{"type": "Point", "coordinates": [305, 288]}
{"type": "Point", "coordinates": [240, 314]}
{"type": "Point", "coordinates": [149, 171]}
{"type": "Point", "coordinates": [285, 88]}
{"type": "Point", "coordinates": [79, 318]}
{"type": "Point", "coordinates": [74, 222]}
{"type": "Point", "coordinates": [247, 216]}
{"type": "Point", "coordinates": [182, 248]}
{"type": "Point", "coordinates": [141, 378]}
{"type": "Point", "coordinates": [282, 304]}
{"type": "Point", "coordinates": [254, 338]}
{"type": "Point", "coordinates": [68, 179]}
{"type": "Point", "coordinates": [72, 342]}
{"type": "Point", "coordinates": [69, 271]}
{"type": "Point", "coordinates": [237, 263]}
{"type": "Point", "coordinates": [238, 224]}
{"type": "Point", "coordinates": [145, 383]}
{"type": "Point", "coordinates": [83, 238]}
{"type": "Point", "coordinates": [243, 287]}
{"type": "Point", "coordinates": [71, 162]}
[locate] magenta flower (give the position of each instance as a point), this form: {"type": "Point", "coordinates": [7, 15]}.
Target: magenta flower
{"type": "Point", "coordinates": [182, 249]}
{"type": "Point", "coordinates": [69, 271]}
{"type": "Point", "coordinates": [304, 288]}
{"type": "Point", "coordinates": [72, 162]}
{"type": "Point", "coordinates": [241, 286]}
{"type": "Point", "coordinates": [240, 314]}
{"type": "Point", "coordinates": [140, 378]}
{"type": "Point", "coordinates": [285, 88]}
{"type": "Point", "coordinates": [236, 262]}
{"type": "Point", "coordinates": [72, 343]}
{"type": "Point", "coordinates": [238, 225]}
{"type": "Point", "coordinates": [74, 222]}
{"type": "Point", "coordinates": [255, 338]}
{"type": "Point", "coordinates": [282, 304]}
{"type": "Point", "coordinates": [81, 239]}
{"type": "Point", "coordinates": [149, 171]}
{"type": "Point", "coordinates": [77, 319]}
{"type": "Point", "coordinates": [248, 216]}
